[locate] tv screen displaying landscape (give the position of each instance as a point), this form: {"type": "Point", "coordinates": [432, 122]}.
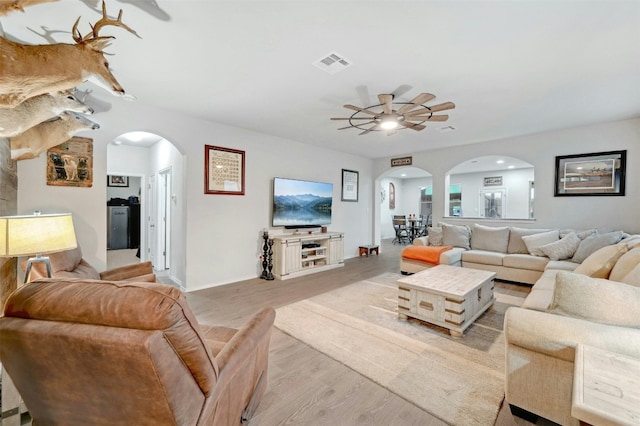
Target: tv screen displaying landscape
{"type": "Point", "coordinates": [301, 203]}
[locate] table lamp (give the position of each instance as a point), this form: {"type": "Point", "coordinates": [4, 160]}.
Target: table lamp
{"type": "Point", "coordinates": [35, 235]}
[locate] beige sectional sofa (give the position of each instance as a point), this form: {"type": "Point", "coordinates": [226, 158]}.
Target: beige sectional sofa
{"type": "Point", "coordinates": [596, 305]}
{"type": "Point", "coordinates": [505, 250]}
{"type": "Point", "coordinates": [592, 297]}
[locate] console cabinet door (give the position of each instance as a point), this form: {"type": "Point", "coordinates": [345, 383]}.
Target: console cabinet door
{"type": "Point", "coordinates": [336, 250]}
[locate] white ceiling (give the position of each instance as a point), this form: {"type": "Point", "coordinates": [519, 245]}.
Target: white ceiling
{"type": "Point", "coordinates": [511, 67]}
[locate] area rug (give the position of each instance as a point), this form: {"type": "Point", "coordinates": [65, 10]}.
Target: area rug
{"type": "Point", "coordinates": [460, 381]}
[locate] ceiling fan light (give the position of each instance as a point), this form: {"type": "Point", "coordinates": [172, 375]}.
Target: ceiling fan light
{"type": "Point", "coordinates": [389, 124]}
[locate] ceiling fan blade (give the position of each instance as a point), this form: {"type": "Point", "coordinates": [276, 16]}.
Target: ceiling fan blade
{"type": "Point", "coordinates": [368, 130]}
{"type": "Point", "coordinates": [442, 107]}
{"type": "Point", "coordinates": [427, 117]}
{"type": "Point", "coordinates": [356, 126]}
{"type": "Point", "coordinates": [414, 126]}
{"type": "Point", "coordinates": [386, 101]}
{"type": "Point", "coordinates": [355, 108]}
{"type": "Point", "coordinates": [350, 118]}
{"type": "Point", "coordinates": [418, 100]}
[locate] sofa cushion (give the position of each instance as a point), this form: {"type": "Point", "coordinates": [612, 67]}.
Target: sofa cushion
{"type": "Point", "coordinates": [564, 248]}
{"type": "Point", "coordinates": [451, 257]}
{"type": "Point", "coordinates": [562, 265]}
{"type": "Point", "coordinates": [490, 238]}
{"type": "Point", "coordinates": [525, 261]}
{"type": "Point", "coordinates": [484, 257]}
{"type": "Point", "coordinates": [594, 242]}
{"type": "Point", "coordinates": [434, 236]}
{"type": "Point", "coordinates": [516, 244]}
{"type": "Point", "coordinates": [541, 295]}
{"type": "Point", "coordinates": [535, 241]}
{"type": "Point", "coordinates": [625, 264]}
{"type": "Point", "coordinates": [595, 299]}
{"type": "Point", "coordinates": [600, 263]}
{"type": "Point", "coordinates": [633, 277]}
{"type": "Point", "coordinates": [456, 235]}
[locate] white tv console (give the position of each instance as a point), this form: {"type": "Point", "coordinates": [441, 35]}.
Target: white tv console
{"type": "Point", "coordinates": [300, 254]}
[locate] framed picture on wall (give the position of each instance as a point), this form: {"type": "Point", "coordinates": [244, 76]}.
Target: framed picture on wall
{"type": "Point", "coordinates": [115, 180]}
{"type": "Point", "coordinates": [598, 173]}
{"type": "Point", "coordinates": [350, 185]}
{"type": "Point", "coordinates": [392, 196]}
{"type": "Point", "coordinates": [71, 163]}
{"type": "Point", "coordinates": [223, 171]}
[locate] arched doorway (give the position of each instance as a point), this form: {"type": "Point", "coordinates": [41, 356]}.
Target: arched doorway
{"type": "Point", "coordinates": [159, 166]}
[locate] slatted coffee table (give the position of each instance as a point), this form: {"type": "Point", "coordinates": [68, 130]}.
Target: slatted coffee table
{"type": "Point", "coordinates": [448, 296]}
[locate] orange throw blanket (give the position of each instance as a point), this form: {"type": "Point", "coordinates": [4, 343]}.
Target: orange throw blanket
{"type": "Point", "coordinates": [426, 254]}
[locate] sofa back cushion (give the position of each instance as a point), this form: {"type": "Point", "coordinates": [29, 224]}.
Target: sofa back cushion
{"type": "Point", "coordinates": [535, 241]}
{"type": "Point", "coordinates": [627, 262]}
{"type": "Point", "coordinates": [516, 244]}
{"type": "Point", "coordinates": [456, 235]}
{"type": "Point", "coordinates": [600, 263]}
{"type": "Point", "coordinates": [594, 242]}
{"type": "Point", "coordinates": [145, 306]}
{"type": "Point", "coordinates": [490, 238]}
{"type": "Point", "coordinates": [595, 299]}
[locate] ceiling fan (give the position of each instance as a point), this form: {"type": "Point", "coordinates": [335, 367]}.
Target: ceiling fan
{"type": "Point", "coordinates": [408, 115]}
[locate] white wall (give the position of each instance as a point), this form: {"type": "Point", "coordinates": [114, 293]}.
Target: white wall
{"type": "Point", "coordinates": [540, 150]}
{"type": "Point", "coordinates": [222, 233]}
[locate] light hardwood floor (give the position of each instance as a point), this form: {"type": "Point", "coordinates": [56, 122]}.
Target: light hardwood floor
{"type": "Point", "coordinates": [305, 386]}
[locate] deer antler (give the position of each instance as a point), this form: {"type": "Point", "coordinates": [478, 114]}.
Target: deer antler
{"type": "Point", "coordinates": [95, 29]}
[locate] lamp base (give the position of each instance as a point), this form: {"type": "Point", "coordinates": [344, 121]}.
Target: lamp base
{"type": "Point", "coordinates": [31, 261]}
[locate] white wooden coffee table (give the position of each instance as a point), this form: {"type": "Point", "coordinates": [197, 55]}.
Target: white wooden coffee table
{"type": "Point", "coordinates": [606, 387]}
{"type": "Point", "coordinates": [448, 296]}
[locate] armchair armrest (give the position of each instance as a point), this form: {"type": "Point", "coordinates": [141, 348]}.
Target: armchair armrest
{"type": "Point", "coordinates": [557, 336]}
{"type": "Point", "coordinates": [135, 272]}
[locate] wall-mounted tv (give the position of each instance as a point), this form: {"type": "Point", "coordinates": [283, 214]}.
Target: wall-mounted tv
{"type": "Point", "coordinates": [301, 203]}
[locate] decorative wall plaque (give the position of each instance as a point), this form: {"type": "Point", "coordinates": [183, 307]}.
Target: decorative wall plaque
{"type": "Point", "coordinates": [71, 163]}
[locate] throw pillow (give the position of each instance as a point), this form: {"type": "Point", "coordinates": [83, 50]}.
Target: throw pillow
{"type": "Point", "coordinates": [594, 299]}
{"type": "Point", "coordinates": [601, 262]}
{"type": "Point", "coordinates": [563, 248]}
{"type": "Point", "coordinates": [434, 236]}
{"type": "Point", "coordinates": [633, 277]}
{"type": "Point", "coordinates": [625, 264]}
{"type": "Point", "coordinates": [490, 238]}
{"type": "Point", "coordinates": [456, 235]}
{"type": "Point", "coordinates": [535, 241]}
{"type": "Point", "coordinates": [516, 244]}
{"type": "Point", "coordinates": [593, 243]}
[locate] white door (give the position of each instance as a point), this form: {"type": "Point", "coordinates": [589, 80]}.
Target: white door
{"type": "Point", "coordinates": [164, 219]}
{"type": "Point", "coordinates": [152, 214]}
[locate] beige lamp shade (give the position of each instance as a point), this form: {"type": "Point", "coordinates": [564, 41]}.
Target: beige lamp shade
{"type": "Point", "coordinates": [36, 234]}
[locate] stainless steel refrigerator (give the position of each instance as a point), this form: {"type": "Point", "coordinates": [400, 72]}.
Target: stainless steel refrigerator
{"type": "Point", "coordinates": [117, 227]}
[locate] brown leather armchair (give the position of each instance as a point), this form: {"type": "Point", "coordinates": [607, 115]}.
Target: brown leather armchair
{"type": "Point", "coordinates": [70, 264]}
{"type": "Point", "coordinates": [123, 353]}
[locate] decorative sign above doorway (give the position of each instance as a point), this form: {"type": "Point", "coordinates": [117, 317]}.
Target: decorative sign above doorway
{"type": "Point", "coordinates": [402, 161]}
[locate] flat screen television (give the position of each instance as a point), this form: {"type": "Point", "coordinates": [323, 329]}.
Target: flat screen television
{"type": "Point", "coordinates": [301, 203]}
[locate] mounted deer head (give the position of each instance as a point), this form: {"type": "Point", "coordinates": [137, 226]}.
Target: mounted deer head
{"type": "Point", "coordinates": [29, 71]}
{"type": "Point", "coordinates": [38, 139]}
{"type": "Point", "coordinates": [35, 110]}
{"type": "Point", "coordinates": [8, 6]}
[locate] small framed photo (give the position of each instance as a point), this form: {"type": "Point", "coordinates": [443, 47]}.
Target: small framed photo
{"type": "Point", "coordinates": [598, 173]}
{"type": "Point", "coordinates": [114, 180]}
{"type": "Point", "coordinates": [350, 185]}
{"type": "Point", "coordinates": [223, 171]}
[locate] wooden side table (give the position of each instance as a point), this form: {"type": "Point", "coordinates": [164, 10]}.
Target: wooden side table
{"type": "Point", "coordinates": [368, 249]}
{"type": "Point", "coordinates": [606, 388]}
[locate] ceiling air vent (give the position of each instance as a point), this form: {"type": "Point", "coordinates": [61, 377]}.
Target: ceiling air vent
{"type": "Point", "coordinates": [332, 63]}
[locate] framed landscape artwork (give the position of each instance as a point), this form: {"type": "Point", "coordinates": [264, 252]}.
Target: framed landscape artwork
{"type": "Point", "coordinates": [598, 173]}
